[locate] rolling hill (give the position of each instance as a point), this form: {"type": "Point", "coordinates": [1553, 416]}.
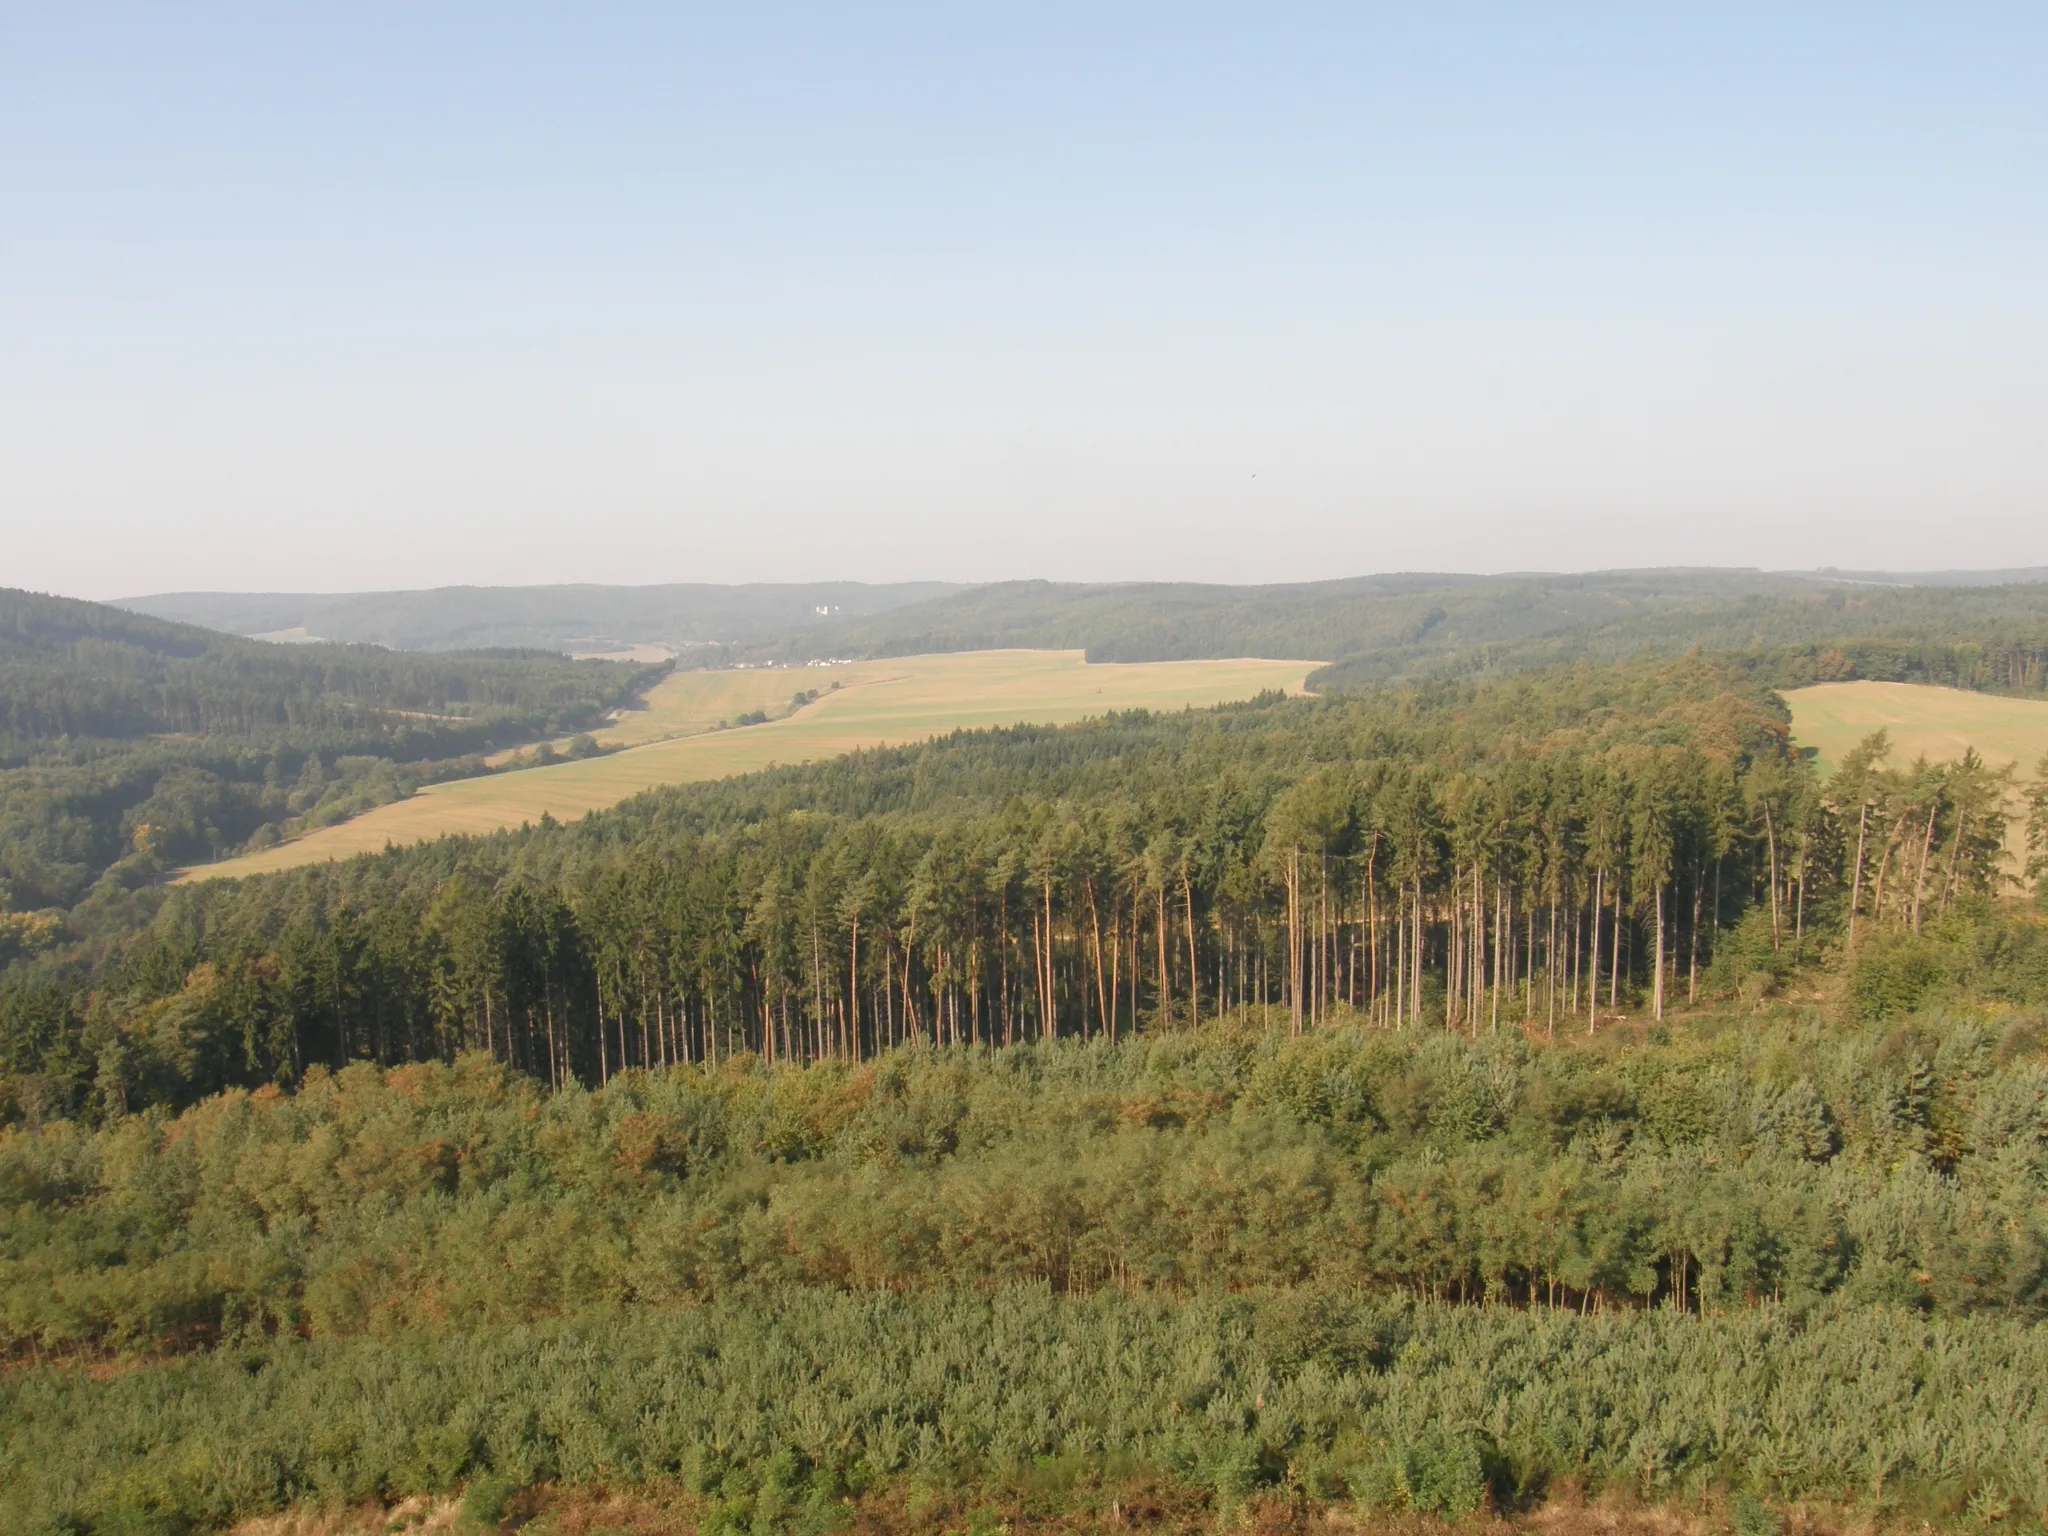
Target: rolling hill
{"type": "Point", "coordinates": [579, 619]}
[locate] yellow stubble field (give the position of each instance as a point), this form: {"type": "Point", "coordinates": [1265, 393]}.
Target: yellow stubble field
{"type": "Point", "coordinates": [1939, 724]}
{"type": "Point", "coordinates": [878, 703]}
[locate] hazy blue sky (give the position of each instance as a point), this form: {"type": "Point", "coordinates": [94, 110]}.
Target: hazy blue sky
{"type": "Point", "coordinates": [393, 295]}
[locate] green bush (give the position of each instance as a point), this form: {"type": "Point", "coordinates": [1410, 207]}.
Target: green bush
{"type": "Point", "coordinates": [1434, 1472]}
{"type": "Point", "coordinates": [1753, 1517]}
{"type": "Point", "coordinates": [485, 1500]}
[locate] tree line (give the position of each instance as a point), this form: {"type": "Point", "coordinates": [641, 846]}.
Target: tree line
{"type": "Point", "coordinates": [1549, 852]}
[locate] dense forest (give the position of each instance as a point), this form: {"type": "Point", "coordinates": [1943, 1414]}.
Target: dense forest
{"type": "Point", "coordinates": [1547, 848]}
{"type": "Point", "coordinates": [1412, 1098]}
{"type": "Point", "coordinates": [129, 745]}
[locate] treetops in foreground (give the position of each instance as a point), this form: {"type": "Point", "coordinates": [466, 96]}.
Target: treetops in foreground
{"type": "Point", "coordinates": [808, 1412]}
{"type": "Point", "coordinates": [1731, 1162]}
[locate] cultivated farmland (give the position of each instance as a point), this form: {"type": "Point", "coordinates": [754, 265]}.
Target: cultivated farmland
{"type": "Point", "coordinates": [876, 703]}
{"type": "Point", "coordinates": [1937, 723]}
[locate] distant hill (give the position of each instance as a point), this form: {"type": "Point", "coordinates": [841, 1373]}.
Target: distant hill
{"type": "Point", "coordinates": [585, 620]}
{"type": "Point", "coordinates": [1168, 621]}
{"type": "Point", "coordinates": [131, 744]}
{"type": "Point", "coordinates": [1417, 626]}
{"type": "Point", "coordinates": [1999, 578]}
{"type": "Point", "coordinates": [1372, 629]}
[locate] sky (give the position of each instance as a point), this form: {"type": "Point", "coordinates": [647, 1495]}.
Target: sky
{"type": "Point", "coordinates": [324, 298]}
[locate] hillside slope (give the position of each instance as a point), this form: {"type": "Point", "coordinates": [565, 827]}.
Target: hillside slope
{"type": "Point", "coordinates": [132, 743]}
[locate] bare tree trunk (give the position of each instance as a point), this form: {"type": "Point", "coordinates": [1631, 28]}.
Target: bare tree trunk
{"type": "Point", "coordinates": [1103, 993]}
{"type": "Point", "coordinates": [1657, 991]}
{"type": "Point", "coordinates": [1593, 993]}
{"type": "Point", "coordinates": [1771, 831]}
{"type": "Point", "coordinates": [1401, 962]}
{"type": "Point", "coordinates": [1372, 906]}
{"type": "Point", "coordinates": [1165, 974]}
{"type": "Point", "coordinates": [1415, 960]}
{"type": "Point", "coordinates": [1294, 942]}
{"type": "Point", "coordinates": [1137, 958]}
{"type": "Point", "coordinates": [1454, 952]}
{"type": "Point", "coordinates": [1614, 959]}
{"type": "Point", "coordinates": [554, 1068]}
{"type": "Point", "coordinates": [1926, 848]}
{"type": "Point", "coordinates": [1528, 966]}
{"type": "Point", "coordinates": [1692, 938]}
{"type": "Point", "coordinates": [1550, 977]}
{"type": "Point", "coordinates": [1038, 967]}
{"type": "Point", "coordinates": [1507, 966]}
{"type": "Point", "coordinates": [1049, 1025]}
{"type": "Point", "coordinates": [1578, 954]}
{"type": "Point", "coordinates": [1884, 866]}
{"type": "Point", "coordinates": [1951, 886]}
{"type": "Point", "coordinates": [1116, 936]}
{"type": "Point", "coordinates": [1485, 949]}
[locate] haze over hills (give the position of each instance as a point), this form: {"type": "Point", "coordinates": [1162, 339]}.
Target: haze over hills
{"type": "Point", "coordinates": [1392, 617]}
{"type": "Point", "coordinates": [579, 619]}
{"type": "Point", "coordinates": [1415, 623]}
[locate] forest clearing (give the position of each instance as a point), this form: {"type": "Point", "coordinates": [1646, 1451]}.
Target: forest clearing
{"type": "Point", "coordinates": [890, 702]}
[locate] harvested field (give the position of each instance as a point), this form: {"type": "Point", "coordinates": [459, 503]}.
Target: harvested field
{"type": "Point", "coordinates": [877, 703]}
{"type": "Point", "coordinates": [1939, 724]}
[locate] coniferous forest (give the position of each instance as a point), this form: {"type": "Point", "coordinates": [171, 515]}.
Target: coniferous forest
{"type": "Point", "coordinates": [1446, 1096]}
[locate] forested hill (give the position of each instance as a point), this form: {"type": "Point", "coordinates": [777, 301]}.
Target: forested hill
{"type": "Point", "coordinates": [1993, 638]}
{"type": "Point", "coordinates": [1379, 629]}
{"type": "Point", "coordinates": [1172, 621]}
{"type": "Point", "coordinates": [72, 669]}
{"type": "Point", "coordinates": [1408, 1099]}
{"type": "Point", "coordinates": [128, 740]}
{"type": "Point", "coordinates": [1972, 629]}
{"type": "Point", "coordinates": [585, 619]}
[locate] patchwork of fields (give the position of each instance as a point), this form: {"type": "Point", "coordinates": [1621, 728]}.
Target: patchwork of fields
{"type": "Point", "coordinates": [877, 703]}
